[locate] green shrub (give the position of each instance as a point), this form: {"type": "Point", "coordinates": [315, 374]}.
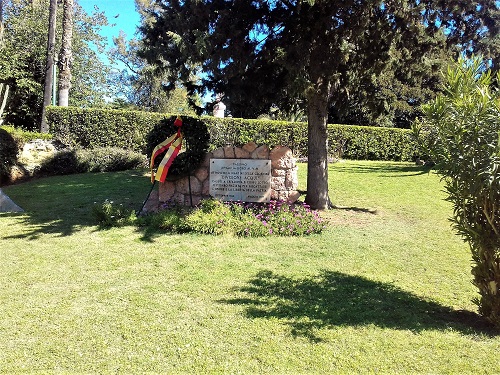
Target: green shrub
{"type": "Point", "coordinates": [91, 128]}
{"type": "Point", "coordinates": [109, 215]}
{"type": "Point", "coordinates": [8, 154]}
{"type": "Point", "coordinates": [103, 159]}
{"type": "Point", "coordinates": [254, 219]}
{"type": "Point", "coordinates": [170, 220]}
{"type": "Point", "coordinates": [23, 136]}
{"type": "Point", "coordinates": [212, 217]}
{"type": "Point", "coordinates": [465, 123]}
{"type": "Point", "coordinates": [95, 127]}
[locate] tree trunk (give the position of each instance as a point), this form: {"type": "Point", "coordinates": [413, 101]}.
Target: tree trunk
{"type": "Point", "coordinates": [66, 56]}
{"type": "Point", "coordinates": [1, 22]}
{"type": "Point", "coordinates": [51, 44]}
{"type": "Point", "coordinates": [317, 164]}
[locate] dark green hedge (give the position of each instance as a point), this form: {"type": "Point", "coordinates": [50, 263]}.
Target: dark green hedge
{"type": "Point", "coordinates": [94, 127]}
{"type": "Point", "coordinates": [90, 128]}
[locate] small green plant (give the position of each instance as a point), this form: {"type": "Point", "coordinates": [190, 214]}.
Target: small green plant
{"type": "Point", "coordinates": [108, 214]}
{"type": "Point", "coordinates": [170, 218]}
{"type": "Point", "coordinates": [212, 217]}
{"type": "Point", "coordinates": [255, 219]}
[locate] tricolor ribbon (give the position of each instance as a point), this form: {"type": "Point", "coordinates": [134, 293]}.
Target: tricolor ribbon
{"type": "Point", "coordinates": [173, 144]}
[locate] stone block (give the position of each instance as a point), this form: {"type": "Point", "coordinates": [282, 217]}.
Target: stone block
{"type": "Point", "coordinates": [278, 172]}
{"type": "Point", "coordinates": [206, 160]}
{"type": "Point", "coordinates": [274, 195]}
{"type": "Point", "coordinates": [201, 174]}
{"type": "Point", "coordinates": [196, 199]}
{"type": "Point", "coordinates": [182, 185]}
{"type": "Point", "coordinates": [291, 179]}
{"type": "Point", "coordinates": [166, 191]}
{"type": "Point", "coordinates": [240, 153]}
{"type": "Point", "coordinates": [178, 198]}
{"type": "Point", "coordinates": [229, 152]}
{"type": "Point", "coordinates": [278, 183]}
{"type": "Point", "coordinates": [261, 152]}
{"type": "Point", "coordinates": [218, 153]}
{"type": "Point", "coordinates": [250, 147]}
{"type": "Point", "coordinates": [152, 203]}
{"type": "Point", "coordinates": [293, 196]}
{"type": "Point", "coordinates": [282, 158]}
{"type": "Point", "coordinates": [205, 188]}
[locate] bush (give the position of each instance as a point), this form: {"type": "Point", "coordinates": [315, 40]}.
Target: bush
{"type": "Point", "coordinates": [91, 128]}
{"type": "Point", "coordinates": [254, 219]}
{"type": "Point", "coordinates": [103, 159]}
{"type": "Point", "coordinates": [94, 127]}
{"type": "Point", "coordinates": [110, 215]}
{"type": "Point", "coordinates": [8, 154]}
{"type": "Point", "coordinates": [465, 123]}
{"type": "Point", "coordinates": [23, 136]}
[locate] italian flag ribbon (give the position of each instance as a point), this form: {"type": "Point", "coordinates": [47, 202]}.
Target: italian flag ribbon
{"type": "Point", "coordinates": [173, 144]}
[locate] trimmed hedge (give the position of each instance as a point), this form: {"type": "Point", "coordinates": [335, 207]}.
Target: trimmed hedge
{"type": "Point", "coordinates": [91, 128]}
{"type": "Point", "coordinates": [96, 127]}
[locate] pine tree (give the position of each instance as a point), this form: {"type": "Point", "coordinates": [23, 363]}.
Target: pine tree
{"type": "Point", "coordinates": [274, 51]}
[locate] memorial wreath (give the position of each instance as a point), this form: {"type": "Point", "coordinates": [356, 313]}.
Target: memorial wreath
{"type": "Point", "coordinates": [165, 142]}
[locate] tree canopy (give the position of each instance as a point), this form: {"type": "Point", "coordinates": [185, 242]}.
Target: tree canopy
{"type": "Point", "coordinates": [23, 56]}
{"type": "Point", "coordinates": [261, 53]}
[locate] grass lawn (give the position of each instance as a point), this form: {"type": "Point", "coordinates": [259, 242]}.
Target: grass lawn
{"type": "Point", "coordinates": [386, 288]}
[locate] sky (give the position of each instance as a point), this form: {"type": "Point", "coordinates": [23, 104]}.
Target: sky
{"type": "Point", "coordinates": [121, 15]}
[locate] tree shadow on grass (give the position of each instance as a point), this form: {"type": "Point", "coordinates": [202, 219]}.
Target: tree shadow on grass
{"type": "Point", "coordinates": [62, 205]}
{"type": "Point", "coordinates": [386, 170]}
{"type": "Point", "coordinates": [336, 299]}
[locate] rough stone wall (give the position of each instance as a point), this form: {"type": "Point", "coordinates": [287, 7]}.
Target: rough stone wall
{"type": "Point", "coordinates": [284, 180]}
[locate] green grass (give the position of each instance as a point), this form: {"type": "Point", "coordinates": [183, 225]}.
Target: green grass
{"type": "Point", "coordinates": [386, 288]}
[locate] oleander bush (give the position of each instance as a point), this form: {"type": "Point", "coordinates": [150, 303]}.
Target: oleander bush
{"type": "Point", "coordinates": [465, 126]}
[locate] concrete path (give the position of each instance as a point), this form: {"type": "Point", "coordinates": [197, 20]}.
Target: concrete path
{"type": "Point", "coordinates": [7, 205]}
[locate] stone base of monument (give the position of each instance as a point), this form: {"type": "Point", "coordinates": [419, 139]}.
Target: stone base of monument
{"type": "Point", "coordinates": [190, 190]}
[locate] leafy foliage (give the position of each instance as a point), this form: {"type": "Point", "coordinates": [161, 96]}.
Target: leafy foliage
{"type": "Point", "coordinates": [465, 127]}
{"type": "Point", "coordinates": [265, 53]}
{"type": "Point", "coordinates": [196, 141]}
{"type": "Point", "coordinates": [250, 219]}
{"type": "Point", "coordinates": [8, 154]}
{"type": "Point", "coordinates": [103, 159]}
{"type": "Point", "coordinates": [91, 128]}
{"type": "Point", "coordinates": [110, 215]}
{"type": "Point", "coordinates": [23, 55]}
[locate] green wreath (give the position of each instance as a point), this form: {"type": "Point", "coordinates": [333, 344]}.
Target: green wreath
{"type": "Point", "coordinates": [196, 143]}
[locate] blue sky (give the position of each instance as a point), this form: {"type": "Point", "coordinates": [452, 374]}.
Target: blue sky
{"type": "Point", "coordinates": [121, 15]}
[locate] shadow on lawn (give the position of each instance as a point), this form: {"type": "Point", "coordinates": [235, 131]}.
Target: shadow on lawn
{"type": "Point", "coordinates": [336, 299]}
{"type": "Point", "coordinates": [386, 170]}
{"type": "Point", "coordinates": [62, 205]}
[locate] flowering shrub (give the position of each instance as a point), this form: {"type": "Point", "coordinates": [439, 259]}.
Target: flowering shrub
{"type": "Point", "coordinates": [255, 219]}
{"type": "Point", "coordinates": [215, 217]}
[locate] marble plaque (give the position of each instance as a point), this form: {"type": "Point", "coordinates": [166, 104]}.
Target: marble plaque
{"type": "Point", "coordinates": [247, 180]}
